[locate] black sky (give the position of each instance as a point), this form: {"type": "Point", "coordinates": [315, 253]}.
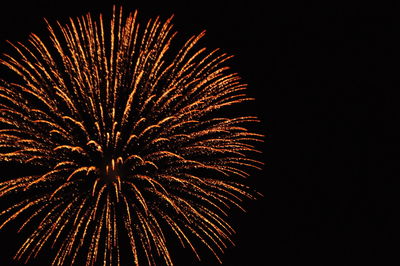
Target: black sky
{"type": "Point", "coordinates": [318, 73]}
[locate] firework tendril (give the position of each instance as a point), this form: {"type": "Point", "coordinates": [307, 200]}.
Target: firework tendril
{"type": "Point", "coordinates": [130, 141]}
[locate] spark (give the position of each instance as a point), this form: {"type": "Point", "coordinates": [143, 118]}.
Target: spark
{"type": "Point", "coordinates": [130, 139]}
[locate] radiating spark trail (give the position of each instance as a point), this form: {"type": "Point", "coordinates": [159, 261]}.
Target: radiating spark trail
{"type": "Point", "coordinates": [129, 139]}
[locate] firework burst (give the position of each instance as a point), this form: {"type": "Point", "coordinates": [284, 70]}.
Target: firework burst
{"type": "Point", "coordinates": [130, 142]}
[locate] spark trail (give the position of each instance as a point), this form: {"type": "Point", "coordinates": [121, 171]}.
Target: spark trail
{"type": "Point", "coordinates": [130, 140]}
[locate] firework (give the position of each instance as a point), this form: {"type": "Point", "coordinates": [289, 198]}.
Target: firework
{"type": "Point", "coordinates": [129, 138]}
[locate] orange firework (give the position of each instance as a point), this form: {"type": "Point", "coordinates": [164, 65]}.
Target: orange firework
{"type": "Point", "coordinates": [130, 141]}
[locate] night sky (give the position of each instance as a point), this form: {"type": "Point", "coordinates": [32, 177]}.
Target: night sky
{"type": "Point", "coordinates": [318, 74]}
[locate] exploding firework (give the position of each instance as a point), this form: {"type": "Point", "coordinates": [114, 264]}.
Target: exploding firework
{"type": "Point", "coordinates": [129, 140]}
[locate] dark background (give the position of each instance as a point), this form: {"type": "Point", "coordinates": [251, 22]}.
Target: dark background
{"type": "Point", "coordinates": [318, 73]}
